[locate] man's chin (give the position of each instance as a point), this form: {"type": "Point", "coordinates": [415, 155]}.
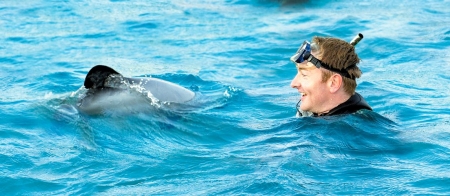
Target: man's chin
{"type": "Point", "coordinates": [306, 109]}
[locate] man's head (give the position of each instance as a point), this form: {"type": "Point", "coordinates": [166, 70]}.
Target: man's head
{"type": "Point", "coordinates": [340, 55]}
{"type": "Point", "coordinates": [326, 73]}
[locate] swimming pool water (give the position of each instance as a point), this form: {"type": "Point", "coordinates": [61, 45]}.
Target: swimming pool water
{"type": "Point", "coordinates": [239, 136]}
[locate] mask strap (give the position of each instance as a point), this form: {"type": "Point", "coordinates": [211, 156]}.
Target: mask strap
{"type": "Point", "coordinates": [318, 63]}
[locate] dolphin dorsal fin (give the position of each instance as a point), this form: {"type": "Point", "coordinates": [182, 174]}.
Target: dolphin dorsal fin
{"type": "Point", "coordinates": [97, 75]}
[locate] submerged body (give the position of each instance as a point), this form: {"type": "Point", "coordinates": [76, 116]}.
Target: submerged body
{"type": "Point", "coordinates": [355, 103]}
{"type": "Point", "coordinates": [108, 89]}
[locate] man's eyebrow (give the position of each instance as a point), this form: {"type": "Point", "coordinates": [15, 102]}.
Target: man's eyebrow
{"type": "Point", "coordinates": [298, 65]}
{"type": "Point", "coordinates": [304, 67]}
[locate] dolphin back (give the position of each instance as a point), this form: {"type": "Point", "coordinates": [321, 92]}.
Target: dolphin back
{"type": "Point", "coordinates": [164, 90]}
{"type": "Point", "coordinates": [101, 76]}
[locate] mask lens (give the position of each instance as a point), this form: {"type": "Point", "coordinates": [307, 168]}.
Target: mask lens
{"type": "Point", "coordinates": [298, 57]}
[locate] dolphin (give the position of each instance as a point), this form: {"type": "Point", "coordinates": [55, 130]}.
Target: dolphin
{"type": "Point", "coordinates": [108, 89]}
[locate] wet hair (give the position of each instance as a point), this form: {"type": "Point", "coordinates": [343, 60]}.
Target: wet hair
{"type": "Point", "coordinates": [338, 54]}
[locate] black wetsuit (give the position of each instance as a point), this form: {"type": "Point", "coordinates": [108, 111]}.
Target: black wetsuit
{"type": "Point", "coordinates": [354, 103]}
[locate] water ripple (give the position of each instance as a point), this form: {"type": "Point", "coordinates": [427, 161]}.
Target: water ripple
{"type": "Point", "coordinates": [239, 135]}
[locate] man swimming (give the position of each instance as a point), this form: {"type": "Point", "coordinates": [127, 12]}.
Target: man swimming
{"type": "Point", "coordinates": [326, 77]}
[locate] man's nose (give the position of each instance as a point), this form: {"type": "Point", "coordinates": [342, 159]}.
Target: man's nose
{"type": "Point", "coordinates": [295, 83]}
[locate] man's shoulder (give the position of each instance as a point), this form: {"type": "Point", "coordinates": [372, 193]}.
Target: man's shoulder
{"type": "Point", "coordinates": [360, 101]}
{"type": "Point", "coordinates": [353, 104]}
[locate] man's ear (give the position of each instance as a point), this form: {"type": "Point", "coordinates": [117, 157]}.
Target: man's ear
{"type": "Point", "coordinates": [335, 83]}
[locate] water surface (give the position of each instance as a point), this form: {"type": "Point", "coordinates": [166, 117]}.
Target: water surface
{"type": "Point", "coordinates": [239, 135]}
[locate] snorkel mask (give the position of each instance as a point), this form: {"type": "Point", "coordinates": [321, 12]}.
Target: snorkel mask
{"type": "Point", "coordinates": [302, 51]}
{"type": "Point", "coordinates": [304, 54]}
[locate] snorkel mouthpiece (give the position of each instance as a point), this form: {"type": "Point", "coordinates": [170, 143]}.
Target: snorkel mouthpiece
{"type": "Point", "coordinates": [356, 39]}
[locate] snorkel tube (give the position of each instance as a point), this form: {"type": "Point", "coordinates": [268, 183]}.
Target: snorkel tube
{"type": "Point", "coordinates": [356, 39]}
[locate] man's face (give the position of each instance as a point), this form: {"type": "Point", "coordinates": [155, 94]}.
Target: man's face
{"type": "Point", "coordinates": [313, 91]}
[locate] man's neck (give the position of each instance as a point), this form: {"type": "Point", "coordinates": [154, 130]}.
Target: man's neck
{"type": "Point", "coordinates": [334, 100]}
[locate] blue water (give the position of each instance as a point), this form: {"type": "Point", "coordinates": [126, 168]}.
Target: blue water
{"type": "Point", "coordinates": [239, 136]}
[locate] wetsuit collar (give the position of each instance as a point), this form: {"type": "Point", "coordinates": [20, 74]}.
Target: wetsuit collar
{"type": "Point", "coordinates": [354, 103]}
